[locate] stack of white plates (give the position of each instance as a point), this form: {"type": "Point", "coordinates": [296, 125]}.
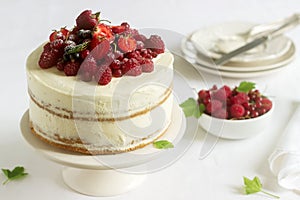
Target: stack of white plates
{"type": "Point", "coordinates": [210, 43]}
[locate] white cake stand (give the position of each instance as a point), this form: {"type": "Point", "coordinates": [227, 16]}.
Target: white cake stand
{"type": "Point", "coordinates": [89, 175]}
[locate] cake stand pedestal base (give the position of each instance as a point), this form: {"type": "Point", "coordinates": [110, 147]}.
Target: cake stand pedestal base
{"type": "Point", "coordinates": [100, 182]}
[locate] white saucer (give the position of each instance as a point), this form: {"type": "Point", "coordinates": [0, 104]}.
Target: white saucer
{"type": "Point", "coordinates": [239, 75]}
{"type": "Point", "coordinates": [206, 41]}
{"type": "Point", "coordinates": [253, 66]}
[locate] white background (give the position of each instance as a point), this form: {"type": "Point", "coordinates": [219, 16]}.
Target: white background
{"type": "Point", "coordinates": [26, 24]}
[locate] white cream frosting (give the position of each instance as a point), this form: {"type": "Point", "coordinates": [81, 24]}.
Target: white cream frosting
{"type": "Point", "coordinates": [54, 95]}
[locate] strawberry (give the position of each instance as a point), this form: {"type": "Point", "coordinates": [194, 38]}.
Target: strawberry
{"type": "Point", "coordinates": [126, 44]}
{"type": "Point", "coordinates": [61, 34]}
{"type": "Point", "coordinates": [101, 32]}
{"type": "Point", "coordinates": [120, 29]}
{"type": "Point", "coordinates": [87, 20]}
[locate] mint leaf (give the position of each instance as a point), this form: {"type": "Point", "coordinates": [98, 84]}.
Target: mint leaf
{"type": "Point", "coordinates": [245, 87]}
{"type": "Point", "coordinates": [254, 186]}
{"type": "Point", "coordinates": [191, 107]}
{"type": "Point", "coordinates": [16, 173]}
{"type": "Point", "coordinates": [77, 48]}
{"type": "Point", "coordinates": [163, 144]}
{"type": "Point", "coordinates": [6, 172]}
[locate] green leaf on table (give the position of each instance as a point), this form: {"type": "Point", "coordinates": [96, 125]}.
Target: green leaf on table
{"type": "Point", "coordinates": [245, 86]}
{"type": "Point", "coordinates": [191, 107]}
{"type": "Point", "coordinates": [16, 173]}
{"type": "Point", "coordinates": [254, 186]}
{"type": "Point", "coordinates": [163, 144]}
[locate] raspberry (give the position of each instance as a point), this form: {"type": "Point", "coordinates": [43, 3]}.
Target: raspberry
{"type": "Point", "coordinates": [61, 34]}
{"type": "Point", "coordinates": [237, 111]}
{"type": "Point", "coordinates": [57, 44]}
{"type": "Point", "coordinates": [203, 94]}
{"type": "Point", "coordinates": [147, 65]}
{"type": "Point", "coordinates": [47, 47]}
{"type": "Point", "coordinates": [48, 59]}
{"type": "Point", "coordinates": [126, 44]}
{"type": "Point", "coordinates": [266, 103]}
{"type": "Point", "coordinates": [128, 64]}
{"type": "Point", "coordinates": [227, 90]}
{"type": "Point", "coordinates": [240, 98]}
{"type": "Point", "coordinates": [104, 75]}
{"type": "Point", "coordinates": [71, 68]}
{"type": "Point", "coordinates": [60, 65]}
{"type": "Point", "coordinates": [155, 43]}
{"type": "Point", "coordinates": [87, 69]}
{"type": "Point", "coordinates": [221, 113]}
{"type": "Point", "coordinates": [135, 71]}
{"type": "Point", "coordinates": [132, 67]}
{"type": "Point", "coordinates": [213, 106]}
{"type": "Point", "coordinates": [87, 20]}
{"type": "Point", "coordinates": [219, 94]}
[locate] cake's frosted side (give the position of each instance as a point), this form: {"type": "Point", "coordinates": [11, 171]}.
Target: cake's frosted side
{"type": "Point", "coordinates": [62, 106]}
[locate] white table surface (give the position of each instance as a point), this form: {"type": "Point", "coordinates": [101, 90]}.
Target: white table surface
{"type": "Point", "coordinates": [26, 24]}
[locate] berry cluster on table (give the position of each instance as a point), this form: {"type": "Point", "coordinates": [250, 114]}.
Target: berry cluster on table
{"type": "Point", "coordinates": [227, 103]}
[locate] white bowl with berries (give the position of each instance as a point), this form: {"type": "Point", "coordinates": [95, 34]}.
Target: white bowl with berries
{"type": "Point", "coordinates": [232, 113]}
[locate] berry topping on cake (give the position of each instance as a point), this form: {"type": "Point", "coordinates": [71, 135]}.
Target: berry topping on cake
{"type": "Point", "coordinates": [98, 51]}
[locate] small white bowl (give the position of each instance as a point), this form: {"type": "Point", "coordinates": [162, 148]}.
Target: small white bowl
{"type": "Point", "coordinates": [236, 129]}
